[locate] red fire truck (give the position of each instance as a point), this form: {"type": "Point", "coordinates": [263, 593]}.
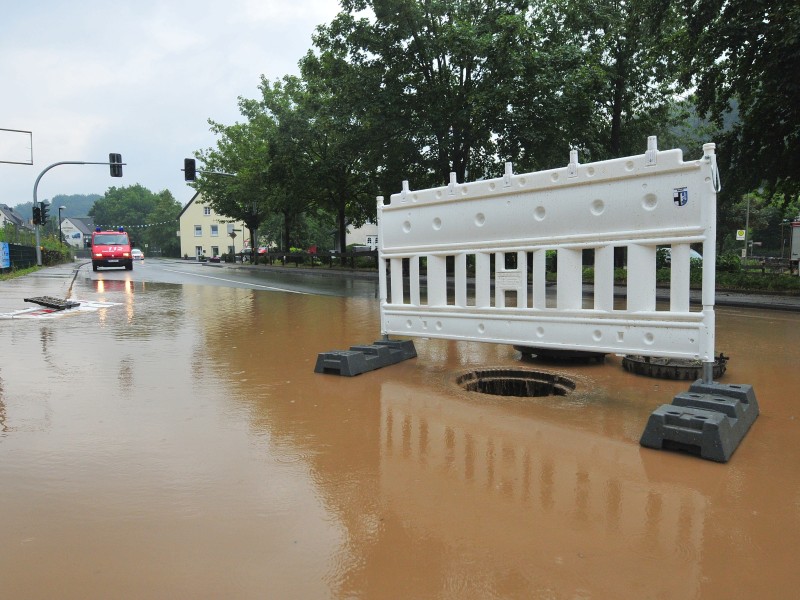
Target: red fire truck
{"type": "Point", "coordinates": [111, 249]}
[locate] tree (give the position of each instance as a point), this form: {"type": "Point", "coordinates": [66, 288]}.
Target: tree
{"type": "Point", "coordinates": [289, 174]}
{"type": "Point", "coordinates": [630, 67]}
{"type": "Point", "coordinates": [234, 178]}
{"type": "Point", "coordinates": [315, 152]}
{"type": "Point", "coordinates": [747, 53]}
{"type": "Point", "coordinates": [432, 79]}
{"type": "Point", "coordinates": [159, 232]}
{"type": "Point", "coordinates": [126, 207]}
{"type": "Point", "coordinates": [148, 217]}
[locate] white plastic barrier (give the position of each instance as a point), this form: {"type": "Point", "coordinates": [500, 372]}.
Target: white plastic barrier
{"type": "Point", "coordinates": [436, 248]}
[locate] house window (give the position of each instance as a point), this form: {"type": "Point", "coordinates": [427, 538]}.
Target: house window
{"type": "Point", "coordinates": [207, 211]}
{"type": "Point", "coordinates": [198, 231]}
{"type": "Point", "coordinates": [214, 250]}
{"type": "Point", "coordinates": [214, 230]}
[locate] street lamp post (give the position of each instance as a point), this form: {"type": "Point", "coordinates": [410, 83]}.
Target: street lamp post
{"type": "Point", "coordinates": [60, 232]}
{"type": "Point", "coordinates": [747, 229]}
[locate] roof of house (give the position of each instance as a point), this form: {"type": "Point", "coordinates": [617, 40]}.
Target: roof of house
{"type": "Point", "coordinates": [13, 216]}
{"type": "Point", "coordinates": [83, 224]}
{"type": "Point", "coordinates": [188, 204]}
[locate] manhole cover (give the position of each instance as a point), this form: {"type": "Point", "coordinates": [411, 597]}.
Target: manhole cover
{"type": "Point", "coordinates": [672, 368]}
{"type": "Point", "coordinates": [515, 382]}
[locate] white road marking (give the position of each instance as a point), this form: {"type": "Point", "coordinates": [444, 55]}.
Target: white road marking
{"type": "Point", "coordinates": [250, 285]}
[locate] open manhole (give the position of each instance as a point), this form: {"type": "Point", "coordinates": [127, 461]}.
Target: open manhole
{"type": "Point", "coordinates": [515, 382]}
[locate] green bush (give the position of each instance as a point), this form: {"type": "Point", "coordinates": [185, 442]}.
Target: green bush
{"type": "Point", "coordinates": [729, 263]}
{"type": "Point", "coordinates": [758, 282]}
{"type": "Point", "coordinates": [365, 262]}
{"type": "Point", "coordinates": [662, 259]}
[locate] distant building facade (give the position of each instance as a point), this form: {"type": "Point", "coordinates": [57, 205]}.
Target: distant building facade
{"type": "Point", "coordinates": [366, 235]}
{"type": "Point", "coordinates": [205, 233]}
{"type": "Point", "coordinates": [77, 231]}
{"type": "Point", "coordinates": [9, 216]}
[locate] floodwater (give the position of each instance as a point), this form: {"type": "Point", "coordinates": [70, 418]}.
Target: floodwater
{"type": "Point", "coordinates": [180, 445]}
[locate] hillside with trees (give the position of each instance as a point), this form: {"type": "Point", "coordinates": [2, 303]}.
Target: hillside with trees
{"type": "Point", "coordinates": [75, 205]}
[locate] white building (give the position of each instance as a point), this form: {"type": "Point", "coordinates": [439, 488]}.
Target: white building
{"type": "Point", "coordinates": [9, 216]}
{"type": "Point", "coordinates": [205, 233]}
{"type": "Point", "coordinates": [366, 235]}
{"type": "Point", "coordinates": [77, 231]}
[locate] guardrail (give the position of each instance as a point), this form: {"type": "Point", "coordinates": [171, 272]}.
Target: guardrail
{"type": "Point", "coordinates": [319, 259]}
{"type": "Point", "coordinates": [503, 228]}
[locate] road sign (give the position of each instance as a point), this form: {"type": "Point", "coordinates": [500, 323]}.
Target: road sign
{"type": "Point", "coordinates": [16, 147]}
{"type": "Point", "coordinates": [741, 234]}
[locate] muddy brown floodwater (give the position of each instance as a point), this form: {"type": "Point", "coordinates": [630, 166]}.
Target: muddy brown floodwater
{"type": "Point", "coordinates": [179, 445]}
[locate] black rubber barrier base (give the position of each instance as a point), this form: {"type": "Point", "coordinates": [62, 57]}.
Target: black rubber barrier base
{"type": "Point", "coordinates": [710, 420]}
{"type": "Point", "coordinates": [360, 359]}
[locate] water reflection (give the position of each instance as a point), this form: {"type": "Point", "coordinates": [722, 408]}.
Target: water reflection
{"type": "Point", "coordinates": [532, 497]}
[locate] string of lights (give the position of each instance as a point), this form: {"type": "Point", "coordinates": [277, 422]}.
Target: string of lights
{"type": "Point", "coordinates": [146, 225]}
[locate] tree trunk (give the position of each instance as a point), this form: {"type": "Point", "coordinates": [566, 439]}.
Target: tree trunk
{"type": "Point", "coordinates": [341, 223]}
{"type": "Point", "coordinates": [286, 228]}
{"type": "Point", "coordinates": [615, 143]}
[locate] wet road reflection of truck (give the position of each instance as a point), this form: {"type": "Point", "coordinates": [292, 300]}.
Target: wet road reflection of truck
{"type": "Point", "coordinates": [111, 249]}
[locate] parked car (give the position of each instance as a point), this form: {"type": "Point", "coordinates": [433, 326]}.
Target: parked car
{"type": "Point", "coordinates": [137, 254]}
{"type": "Point", "coordinates": [667, 253]}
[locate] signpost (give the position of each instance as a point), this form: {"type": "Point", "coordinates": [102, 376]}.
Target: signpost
{"type": "Point", "coordinates": [232, 233]}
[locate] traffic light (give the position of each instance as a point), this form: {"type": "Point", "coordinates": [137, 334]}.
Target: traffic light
{"type": "Point", "coordinates": [116, 164]}
{"type": "Point", "coordinates": [189, 169]}
{"type": "Point", "coordinates": [37, 215]}
{"type": "Point", "coordinates": [45, 208]}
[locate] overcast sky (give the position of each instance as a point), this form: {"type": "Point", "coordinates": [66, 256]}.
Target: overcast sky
{"type": "Point", "coordinates": [138, 78]}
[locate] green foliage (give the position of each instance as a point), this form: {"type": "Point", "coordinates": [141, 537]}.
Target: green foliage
{"type": "Point", "coordinates": [125, 206]}
{"type": "Point", "coordinates": [662, 258]}
{"type": "Point", "coordinates": [150, 219]}
{"type": "Point", "coordinates": [399, 90]}
{"type": "Point", "coordinates": [758, 282]}
{"type": "Point", "coordinates": [234, 177]}
{"type": "Point", "coordinates": [76, 205]}
{"type": "Point", "coordinates": [746, 54]}
{"type": "Point", "coordinates": [13, 235]}
{"type": "Point", "coordinates": [159, 231]}
{"type": "Point", "coordinates": [729, 263]}
{"type": "Point", "coordinates": [630, 67]}
{"type": "Point", "coordinates": [53, 251]}
{"type": "Point", "coordinates": [13, 273]}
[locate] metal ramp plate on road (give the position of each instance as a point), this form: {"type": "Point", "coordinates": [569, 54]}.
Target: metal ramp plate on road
{"type": "Point", "coordinates": [55, 303]}
{"type": "Point", "coordinates": [46, 312]}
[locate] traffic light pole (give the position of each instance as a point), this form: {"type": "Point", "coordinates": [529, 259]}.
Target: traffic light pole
{"type": "Point", "coordinates": [36, 201]}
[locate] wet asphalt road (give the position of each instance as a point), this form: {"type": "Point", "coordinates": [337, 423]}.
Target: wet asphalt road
{"type": "Point", "coordinates": [176, 443]}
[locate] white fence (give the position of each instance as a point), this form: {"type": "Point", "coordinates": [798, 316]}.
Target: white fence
{"type": "Point", "coordinates": [468, 261]}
